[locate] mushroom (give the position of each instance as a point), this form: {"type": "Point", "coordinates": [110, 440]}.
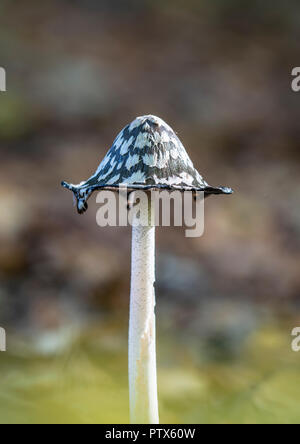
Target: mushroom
{"type": "Point", "coordinates": [146, 155]}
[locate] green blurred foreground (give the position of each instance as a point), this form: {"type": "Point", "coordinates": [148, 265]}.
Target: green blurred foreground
{"type": "Point", "coordinates": [87, 381]}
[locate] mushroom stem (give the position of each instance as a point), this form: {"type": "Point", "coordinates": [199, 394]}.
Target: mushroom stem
{"type": "Point", "coordinates": [142, 341]}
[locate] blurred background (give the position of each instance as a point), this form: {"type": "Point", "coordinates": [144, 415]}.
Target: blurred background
{"type": "Point", "coordinates": [220, 74]}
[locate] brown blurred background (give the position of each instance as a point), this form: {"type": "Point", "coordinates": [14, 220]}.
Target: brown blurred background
{"type": "Point", "coordinates": [220, 74]}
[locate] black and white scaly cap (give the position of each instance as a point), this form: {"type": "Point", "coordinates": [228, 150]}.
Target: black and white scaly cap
{"type": "Point", "coordinates": [147, 154]}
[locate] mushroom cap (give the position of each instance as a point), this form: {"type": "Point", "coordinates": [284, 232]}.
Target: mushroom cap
{"type": "Point", "coordinates": [147, 154]}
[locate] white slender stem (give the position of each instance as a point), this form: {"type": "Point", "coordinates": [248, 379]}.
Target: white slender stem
{"type": "Point", "coordinates": [142, 338]}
